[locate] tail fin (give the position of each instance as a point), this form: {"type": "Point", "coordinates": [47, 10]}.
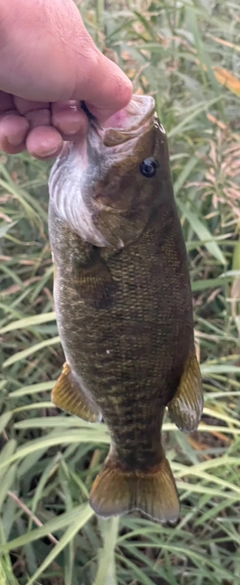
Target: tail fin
{"type": "Point", "coordinates": [116, 492]}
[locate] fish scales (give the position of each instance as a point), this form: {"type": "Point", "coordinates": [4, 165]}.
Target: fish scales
{"type": "Point", "coordinates": [126, 351]}
{"type": "Point", "coordinates": [124, 314]}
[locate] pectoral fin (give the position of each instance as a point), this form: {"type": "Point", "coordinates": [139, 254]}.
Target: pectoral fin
{"type": "Point", "coordinates": [68, 395]}
{"type": "Point", "coordinates": [186, 407]}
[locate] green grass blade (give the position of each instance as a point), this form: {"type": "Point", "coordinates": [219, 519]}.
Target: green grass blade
{"type": "Point", "coordinates": [203, 233]}
{"type": "Point", "coordinates": [106, 574]}
{"type": "Point", "coordinates": [83, 516]}
{"type": "Point", "coordinates": [29, 322]}
{"type": "Point", "coordinates": [83, 513]}
{"type": "Point", "coordinates": [22, 355]}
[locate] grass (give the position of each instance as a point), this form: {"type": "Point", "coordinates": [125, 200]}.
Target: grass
{"type": "Point", "coordinates": [187, 54]}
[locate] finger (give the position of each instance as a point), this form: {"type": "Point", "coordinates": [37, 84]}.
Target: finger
{"type": "Point", "coordinates": [38, 118]}
{"type": "Point", "coordinates": [69, 119]}
{"type": "Point", "coordinates": [44, 142]}
{"type": "Point", "coordinates": [37, 113]}
{"type": "Point", "coordinates": [24, 106]}
{"type": "Point", "coordinates": [13, 131]}
{"type": "Point", "coordinates": [6, 102]}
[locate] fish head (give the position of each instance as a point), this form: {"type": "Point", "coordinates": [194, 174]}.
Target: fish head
{"type": "Point", "coordinates": [106, 187]}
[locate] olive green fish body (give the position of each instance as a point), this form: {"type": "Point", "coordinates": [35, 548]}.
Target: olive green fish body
{"type": "Point", "coordinates": [124, 314]}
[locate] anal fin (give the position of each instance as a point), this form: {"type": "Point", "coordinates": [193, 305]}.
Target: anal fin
{"type": "Point", "coordinates": [186, 407]}
{"type": "Point", "coordinates": [153, 492]}
{"type": "Point", "coordinates": [68, 395]}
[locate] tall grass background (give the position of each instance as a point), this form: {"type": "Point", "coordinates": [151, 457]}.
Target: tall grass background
{"type": "Point", "coordinates": [187, 54]}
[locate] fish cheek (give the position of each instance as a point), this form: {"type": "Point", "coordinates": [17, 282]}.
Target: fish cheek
{"type": "Point", "coordinates": [130, 206]}
{"type": "Point", "coordinates": [93, 280]}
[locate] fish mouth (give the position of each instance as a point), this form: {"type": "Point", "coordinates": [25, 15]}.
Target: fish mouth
{"type": "Point", "coordinates": [127, 124]}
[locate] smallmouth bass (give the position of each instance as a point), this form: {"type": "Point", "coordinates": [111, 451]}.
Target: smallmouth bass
{"type": "Point", "coordinates": [123, 305]}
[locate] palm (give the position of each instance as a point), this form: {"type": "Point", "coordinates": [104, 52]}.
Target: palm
{"type": "Point", "coordinates": [47, 56]}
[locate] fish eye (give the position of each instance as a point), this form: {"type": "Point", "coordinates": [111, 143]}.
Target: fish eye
{"type": "Point", "coordinates": [148, 167]}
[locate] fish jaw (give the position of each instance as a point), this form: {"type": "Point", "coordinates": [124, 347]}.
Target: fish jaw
{"type": "Point", "coordinates": [128, 124]}
{"type": "Point", "coordinates": [84, 180]}
{"type": "Point", "coordinates": [134, 115]}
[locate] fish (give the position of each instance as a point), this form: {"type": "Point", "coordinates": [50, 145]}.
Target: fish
{"type": "Point", "coordinates": [123, 305]}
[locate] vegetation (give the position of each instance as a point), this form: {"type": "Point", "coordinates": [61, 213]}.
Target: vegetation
{"type": "Point", "coordinates": [186, 53]}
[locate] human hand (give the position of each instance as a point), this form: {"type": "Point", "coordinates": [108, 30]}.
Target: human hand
{"type": "Point", "coordinates": [48, 63]}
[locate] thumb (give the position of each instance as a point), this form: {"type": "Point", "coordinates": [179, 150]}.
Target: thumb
{"type": "Point", "coordinates": [106, 89]}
